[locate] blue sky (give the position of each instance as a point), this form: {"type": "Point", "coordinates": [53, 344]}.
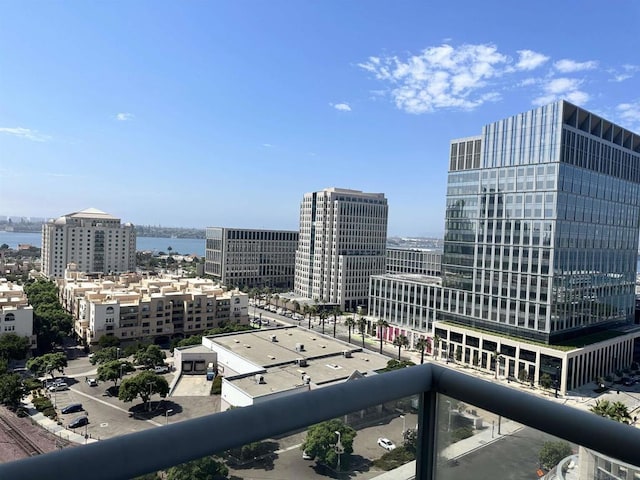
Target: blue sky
{"type": "Point", "coordinates": [199, 113]}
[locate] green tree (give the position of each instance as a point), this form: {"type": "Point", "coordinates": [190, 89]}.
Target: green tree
{"type": "Point", "coordinates": [108, 354]}
{"type": "Point", "coordinates": [108, 341]}
{"type": "Point", "coordinates": [205, 468]}
{"type": "Point", "coordinates": [394, 364]}
{"type": "Point", "coordinates": [114, 370]}
{"type": "Point", "coordinates": [350, 323]}
{"type": "Point", "coordinates": [323, 316]}
{"type": "Point", "coordinates": [150, 356]}
{"type": "Point", "coordinates": [50, 322]}
{"type": "Point", "coordinates": [48, 363]}
{"type": "Point", "coordinates": [423, 344]}
{"type": "Point", "coordinates": [382, 325]}
{"type": "Point", "coordinates": [552, 453]}
{"type": "Point", "coordinates": [617, 411]}
{"type": "Point", "coordinates": [13, 347]}
{"type": "Point", "coordinates": [545, 380]}
{"type": "Point", "coordinates": [336, 312]}
{"type": "Point", "coordinates": [321, 440]}
{"type": "Point", "coordinates": [143, 385]}
{"type": "Point", "coordinates": [458, 353]}
{"type": "Point", "coordinates": [523, 375]}
{"type": "Point", "coordinates": [11, 389]}
{"type": "Point", "coordinates": [362, 326]}
{"type": "Point", "coordinates": [400, 341]}
{"type": "Point", "coordinates": [410, 440]}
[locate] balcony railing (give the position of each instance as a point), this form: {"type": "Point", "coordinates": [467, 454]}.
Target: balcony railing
{"type": "Point", "coordinates": [135, 454]}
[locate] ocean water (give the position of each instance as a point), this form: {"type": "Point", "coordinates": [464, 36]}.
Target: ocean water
{"type": "Point", "coordinates": [184, 246]}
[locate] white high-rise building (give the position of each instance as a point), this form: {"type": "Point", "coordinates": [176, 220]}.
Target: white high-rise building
{"type": "Point", "coordinates": [94, 240]}
{"type": "Point", "coordinates": [342, 242]}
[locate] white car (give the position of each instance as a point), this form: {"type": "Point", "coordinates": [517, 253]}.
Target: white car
{"type": "Point", "coordinates": [386, 444]}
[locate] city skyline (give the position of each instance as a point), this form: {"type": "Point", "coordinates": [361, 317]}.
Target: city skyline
{"type": "Point", "coordinates": [202, 114]}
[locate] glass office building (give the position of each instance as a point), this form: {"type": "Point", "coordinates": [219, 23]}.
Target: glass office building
{"type": "Point", "coordinates": [542, 224]}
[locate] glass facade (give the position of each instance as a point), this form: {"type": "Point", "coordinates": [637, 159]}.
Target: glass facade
{"type": "Point", "coordinates": [541, 233]}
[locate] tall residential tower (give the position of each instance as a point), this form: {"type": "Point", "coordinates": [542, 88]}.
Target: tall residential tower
{"type": "Point", "coordinates": [93, 240]}
{"type": "Point", "coordinates": [342, 242]}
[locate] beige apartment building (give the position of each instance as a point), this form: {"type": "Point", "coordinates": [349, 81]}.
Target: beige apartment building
{"type": "Point", "coordinates": [94, 240]}
{"type": "Point", "coordinates": [343, 237]}
{"type": "Point", "coordinates": [134, 307]}
{"type": "Point", "coordinates": [16, 315]}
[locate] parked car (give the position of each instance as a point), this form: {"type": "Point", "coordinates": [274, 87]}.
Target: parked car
{"type": "Point", "coordinates": [386, 444]}
{"type": "Point", "coordinates": [92, 382]}
{"type": "Point", "coordinates": [72, 407]}
{"type": "Point", "coordinates": [79, 422]}
{"type": "Point", "coordinates": [161, 369]}
{"type": "Point", "coordinates": [59, 387]}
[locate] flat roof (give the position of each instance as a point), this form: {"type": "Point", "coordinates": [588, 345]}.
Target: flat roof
{"type": "Point", "coordinates": [324, 356]}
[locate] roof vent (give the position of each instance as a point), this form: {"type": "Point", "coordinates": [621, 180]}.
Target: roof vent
{"type": "Point", "coordinates": [274, 338]}
{"type": "Point", "coordinates": [299, 347]}
{"type": "Point", "coordinates": [306, 379]}
{"type": "Point", "coordinates": [346, 354]}
{"type": "Point", "coordinates": [259, 378]}
{"type": "Point", "coordinates": [302, 362]}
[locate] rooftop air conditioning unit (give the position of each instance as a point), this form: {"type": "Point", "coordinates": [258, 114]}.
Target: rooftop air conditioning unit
{"type": "Point", "coordinates": [259, 378]}
{"type": "Point", "coordinates": [306, 379]}
{"type": "Point", "coordinates": [299, 347]}
{"type": "Point", "coordinates": [346, 354]}
{"type": "Point", "coordinates": [302, 362]}
{"type": "Point", "coordinates": [273, 338]}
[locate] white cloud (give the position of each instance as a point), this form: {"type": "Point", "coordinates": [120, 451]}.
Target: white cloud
{"type": "Point", "coordinates": [123, 117]}
{"type": "Point", "coordinates": [343, 107]}
{"type": "Point", "coordinates": [26, 133]}
{"type": "Point", "coordinates": [441, 77]}
{"type": "Point", "coordinates": [530, 60]}
{"type": "Point", "coordinates": [562, 88]}
{"type": "Point", "coordinates": [630, 113]}
{"type": "Point", "coordinates": [268, 145]}
{"type": "Point", "coordinates": [569, 66]}
{"type": "Point", "coordinates": [628, 71]}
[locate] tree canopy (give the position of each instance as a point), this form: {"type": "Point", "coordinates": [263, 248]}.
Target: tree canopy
{"type": "Point", "coordinates": [50, 322]}
{"type": "Point", "coordinates": [150, 356]}
{"type": "Point", "coordinates": [105, 355]}
{"type": "Point", "coordinates": [394, 364]}
{"type": "Point", "coordinates": [108, 341]}
{"type": "Point", "coordinates": [48, 363]}
{"type": "Point", "coordinates": [13, 347]}
{"type": "Point", "coordinates": [617, 411]}
{"type": "Point", "coordinates": [11, 389]}
{"type": "Point", "coordinates": [321, 440]}
{"type": "Point", "coordinates": [112, 371]}
{"type": "Point", "coordinates": [552, 453]}
{"type": "Point", "coordinates": [205, 468]}
{"type": "Point", "coordinates": [143, 385]}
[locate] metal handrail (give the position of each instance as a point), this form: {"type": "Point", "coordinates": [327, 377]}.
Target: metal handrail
{"type": "Point", "coordinates": [134, 454]}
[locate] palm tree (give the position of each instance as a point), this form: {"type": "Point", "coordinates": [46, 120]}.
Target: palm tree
{"type": "Point", "coordinates": [350, 323]}
{"type": "Point", "coordinates": [436, 345]}
{"type": "Point", "coordinates": [323, 316]}
{"type": "Point", "coordinates": [423, 344]}
{"type": "Point", "coordinates": [362, 325]}
{"type": "Point", "coordinates": [617, 411]}
{"type": "Point", "coordinates": [306, 310]}
{"type": "Point", "coordinates": [382, 324]}
{"type": "Point", "coordinates": [296, 306]}
{"type": "Point", "coordinates": [401, 341]}
{"type": "Point", "coordinates": [336, 312]}
{"type": "Point", "coordinates": [496, 357]}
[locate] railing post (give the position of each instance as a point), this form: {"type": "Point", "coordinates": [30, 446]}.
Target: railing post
{"type": "Point", "coordinates": [426, 453]}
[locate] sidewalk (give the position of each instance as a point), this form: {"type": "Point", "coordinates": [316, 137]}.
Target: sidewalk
{"type": "Point", "coordinates": [481, 439]}
{"type": "Point", "coordinates": [53, 426]}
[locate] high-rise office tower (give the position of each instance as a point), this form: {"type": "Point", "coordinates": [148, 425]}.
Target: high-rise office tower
{"type": "Point", "coordinates": [343, 235]}
{"type": "Point", "coordinates": [542, 223]}
{"type": "Point", "coordinates": [93, 240]}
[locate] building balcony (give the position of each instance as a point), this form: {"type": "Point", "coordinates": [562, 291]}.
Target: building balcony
{"type": "Point", "coordinates": [430, 400]}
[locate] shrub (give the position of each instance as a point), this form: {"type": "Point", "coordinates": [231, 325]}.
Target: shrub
{"type": "Point", "coordinates": [50, 412]}
{"type": "Point", "coordinates": [32, 384]}
{"type": "Point", "coordinates": [216, 385]}
{"type": "Point", "coordinates": [42, 403]}
{"type": "Point", "coordinates": [461, 433]}
{"type": "Point", "coordinates": [394, 459]}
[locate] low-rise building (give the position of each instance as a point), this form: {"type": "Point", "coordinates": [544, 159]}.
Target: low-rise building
{"type": "Point", "coordinates": [16, 315]}
{"type": "Point", "coordinates": [266, 363]}
{"type": "Point", "coordinates": [135, 307]}
{"type": "Point", "coordinates": [419, 261]}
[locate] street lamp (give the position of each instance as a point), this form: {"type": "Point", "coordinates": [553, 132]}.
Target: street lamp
{"type": "Point", "coordinates": [166, 416]}
{"type": "Point", "coordinates": [117, 353]}
{"type": "Point", "coordinates": [404, 424]}
{"type": "Point", "coordinates": [339, 449]}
